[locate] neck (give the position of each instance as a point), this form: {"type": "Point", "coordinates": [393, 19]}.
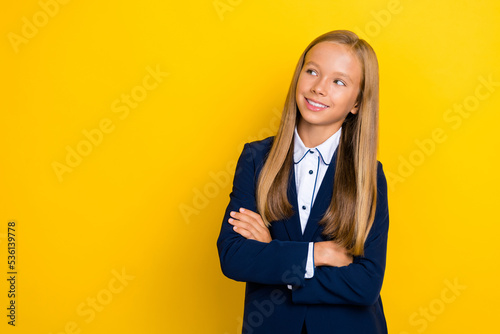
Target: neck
{"type": "Point", "coordinates": [314, 135]}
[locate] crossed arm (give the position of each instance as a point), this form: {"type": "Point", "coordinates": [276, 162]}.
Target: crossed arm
{"type": "Point", "coordinates": [247, 252]}
{"type": "Point", "coordinates": [249, 224]}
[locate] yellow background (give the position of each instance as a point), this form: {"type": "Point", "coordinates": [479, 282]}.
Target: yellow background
{"type": "Point", "coordinates": [148, 199]}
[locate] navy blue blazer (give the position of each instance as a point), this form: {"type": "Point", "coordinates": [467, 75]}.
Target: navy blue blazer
{"type": "Point", "coordinates": [336, 299]}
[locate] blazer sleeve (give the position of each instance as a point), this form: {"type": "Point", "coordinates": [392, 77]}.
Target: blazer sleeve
{"type": "Point", "coordinates": [360, 282]}
{"type": "Point", "coordinates": [241, 259]}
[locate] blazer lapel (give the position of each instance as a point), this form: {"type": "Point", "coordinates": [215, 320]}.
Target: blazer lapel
{"type": "Point", "coordinates": [322, 201]}
{"type": "Point", "coordinates": [292, 224]}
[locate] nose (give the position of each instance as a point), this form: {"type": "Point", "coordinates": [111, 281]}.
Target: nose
{"type": "Point", "coordinates": [319, 87]}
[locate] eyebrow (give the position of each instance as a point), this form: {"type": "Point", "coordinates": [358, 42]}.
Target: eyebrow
{"type": "Point", "coordinates": [342, 74]}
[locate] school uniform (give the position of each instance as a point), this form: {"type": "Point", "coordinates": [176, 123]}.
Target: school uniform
{"type": "Point", "coordinates": [284, 292]}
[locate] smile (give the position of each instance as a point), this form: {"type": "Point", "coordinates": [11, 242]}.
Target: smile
{"type": "Point", "coordinates": [315, 105]}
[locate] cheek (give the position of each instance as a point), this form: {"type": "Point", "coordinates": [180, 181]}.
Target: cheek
{"type": "Point", "coordinates": [303, 83]}
{"type": "Point", "coordinates": [354, 97]}
{"type": "Point", "coordinates": [299, 90]}
{"type": "Point", "coordinates": [299, 86]}
{"type": "Point", "coordinates": [350, 98]}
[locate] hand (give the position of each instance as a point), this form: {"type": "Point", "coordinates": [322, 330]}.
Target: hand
{"type": "Point", "coordinates": [250, 225]}
{"type": "Point", "coordinates": [328, 253]}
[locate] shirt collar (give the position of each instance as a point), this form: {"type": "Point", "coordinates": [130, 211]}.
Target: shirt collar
{"type": "Point", "coordinates": [325, 149]}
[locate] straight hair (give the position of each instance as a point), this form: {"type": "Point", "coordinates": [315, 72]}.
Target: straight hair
{"type": "Point", "coordinates": [351, 212]}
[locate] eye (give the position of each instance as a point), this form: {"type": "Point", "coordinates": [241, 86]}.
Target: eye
{"type": "Point", "coordinates": [311, 71]}
{"type": "Point", "coordinates": [339, 82]}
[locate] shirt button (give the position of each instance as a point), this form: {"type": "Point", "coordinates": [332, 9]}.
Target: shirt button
{"type": "Point", "coordinates": [310, 172]}
{"type": "Point", "coordinates": [311, 151]}
{"type": "Point", "coordinates": [303, 207]}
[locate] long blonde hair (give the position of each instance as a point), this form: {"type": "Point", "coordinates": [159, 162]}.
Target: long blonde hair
{"type": "Point", "coordinates": [351, 212]}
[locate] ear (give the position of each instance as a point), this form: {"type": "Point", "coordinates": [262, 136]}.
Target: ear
{"type": "Point", "coordinates": [355, 108]}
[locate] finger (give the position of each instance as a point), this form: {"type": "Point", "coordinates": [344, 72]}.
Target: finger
{"type": "Point", "coordinates": [242, 231]}
{"type": "Point", "coordinates": [242, 225]}
{"type": "Point", "coordinates": [249, 231]}
{"type": "Point", "coordinates": [254, 215]}
{"type": "Point", "coordinates": [245, 218]}
{"type": "Point", "coordinates": [245, 233]}
{"type": "Point", "coordinates": [255, 226]}
{"type": "Point", "coordinates": [252, 226]}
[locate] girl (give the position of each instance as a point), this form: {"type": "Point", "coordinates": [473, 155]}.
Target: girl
{"type": "Point", "coordinates": [307, 222]}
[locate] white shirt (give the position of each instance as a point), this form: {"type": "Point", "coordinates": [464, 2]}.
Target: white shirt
{"type": "Point", "coordinates": [310, 165]}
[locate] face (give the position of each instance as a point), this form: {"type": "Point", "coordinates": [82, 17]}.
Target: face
{"type": "Point", "coordinates": [328, 86]}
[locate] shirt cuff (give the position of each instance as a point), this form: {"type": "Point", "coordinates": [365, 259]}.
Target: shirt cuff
{"type": "Point", "coordinates": [310, 261]}
{"type": "Point", "coordinates": [309, 264]}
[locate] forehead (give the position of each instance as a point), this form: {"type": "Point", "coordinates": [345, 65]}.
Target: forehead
{"type": "Point", "coordinates": [334, 57]}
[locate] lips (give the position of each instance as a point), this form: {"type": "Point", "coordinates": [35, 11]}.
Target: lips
{"type": "Point", "coordinates": [315, 105]}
